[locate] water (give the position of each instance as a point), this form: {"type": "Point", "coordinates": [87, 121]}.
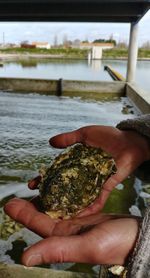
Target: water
{"type": "Point", "coordinates": [27, 121]}
{"type": "Point", "coordinates": [55, 69]}
{"type": "Point", "coordinates": [74, 69]}
{"type": "Point", "coordinates": [142, 72]}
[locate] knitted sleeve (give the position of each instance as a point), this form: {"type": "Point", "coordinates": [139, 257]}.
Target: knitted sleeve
{"type": "Point", "coordinates": [139, 266]}
{"type": "Point", "coordinates": [142, 126]}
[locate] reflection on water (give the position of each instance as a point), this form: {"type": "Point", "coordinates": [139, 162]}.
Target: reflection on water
{"type": "Point", "coordinates": [73, 69]}
{"type": "Point", "coordinates": [53, 69]}
{"type": "Point", "coordinates": [29, 63]}
{"type": "Point", "coordinates": [96, 65]}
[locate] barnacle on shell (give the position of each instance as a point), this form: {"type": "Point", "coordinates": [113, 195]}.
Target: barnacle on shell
{"type": "Point", "coordinates": [74, 180]}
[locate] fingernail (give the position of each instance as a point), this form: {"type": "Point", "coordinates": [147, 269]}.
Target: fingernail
{"type": "Point", "coordinates": [34, 260]}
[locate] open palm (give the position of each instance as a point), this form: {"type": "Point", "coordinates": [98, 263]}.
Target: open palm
{"type": "Point", "coordinates": [128, 148]}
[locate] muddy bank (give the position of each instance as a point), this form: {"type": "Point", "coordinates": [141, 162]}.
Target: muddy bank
{"type": "Point", "coordinates": [16, 56]}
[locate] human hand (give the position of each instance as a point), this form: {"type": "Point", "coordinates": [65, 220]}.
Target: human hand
{"type": "Point", "coordinates": [96, 239]}
{"type": "Point", "coordinates": [128, 148]}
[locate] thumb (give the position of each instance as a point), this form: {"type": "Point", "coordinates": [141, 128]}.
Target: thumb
{"type": "Point", "coordinates": [56, 250]}
{"type": "Point", "coordinates": [66, 139]}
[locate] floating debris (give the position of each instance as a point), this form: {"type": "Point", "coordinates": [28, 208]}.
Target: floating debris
{"type": "Point", "coordinates": [134, 210]}
{"type": "Point", "coordinates": [118, 270]}
{"type": "Point", "coordinates": [8, 227]}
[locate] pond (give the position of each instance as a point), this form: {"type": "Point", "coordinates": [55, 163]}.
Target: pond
{"type": "Point", "coordinates": [27, 121]}
{"type": "Point", "coordinates": [73, 69]}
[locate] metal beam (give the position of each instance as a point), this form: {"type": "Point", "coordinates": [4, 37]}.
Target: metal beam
{"type": "Point", "coordinates": [73, 10]}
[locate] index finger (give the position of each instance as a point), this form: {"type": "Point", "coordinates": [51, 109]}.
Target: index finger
{"type": "Point", "coordinates": [26, 213]}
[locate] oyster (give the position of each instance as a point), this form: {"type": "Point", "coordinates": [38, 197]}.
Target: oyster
{"type": "Point", "coordinates": [74, 180]}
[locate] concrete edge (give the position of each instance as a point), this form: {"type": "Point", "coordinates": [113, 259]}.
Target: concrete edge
{"type": "Point", "coordinates": [17, 271]}
{"type": "Point", "coordinates": [139, 97]}
{"type": "Point", "coordinates": [59, 87]}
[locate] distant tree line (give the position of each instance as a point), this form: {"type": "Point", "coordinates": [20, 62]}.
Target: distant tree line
{"type": "Point", "coordinates": [67, 43]}
{"type": "Point", "coordinates": [105, 41]}
{"type": "Point", "coordinates": [76, 43]}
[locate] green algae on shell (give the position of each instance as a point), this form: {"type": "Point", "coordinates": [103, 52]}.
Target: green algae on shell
{"type": "Point", "coordinates": [74, 180]}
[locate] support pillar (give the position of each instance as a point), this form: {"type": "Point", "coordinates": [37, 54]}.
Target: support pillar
{"type": "Point", "coordinates": [96, 53]}
{"type": "Point", "coordinates": [132, 52]}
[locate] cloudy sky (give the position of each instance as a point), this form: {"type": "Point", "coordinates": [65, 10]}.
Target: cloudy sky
{"type": "Point", "coordinates": [17, 32]}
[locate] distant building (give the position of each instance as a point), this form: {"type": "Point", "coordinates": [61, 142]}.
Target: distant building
{"type": "Point", "coordinates": [89, 45]}
{"type": "Point", "coordinates": [95, 49]}
{"type": "Point", "coordinates": [8, 45]}
{"type": "Point", "coordinates": [76, 43]}
{"type": "Point", "coordinates": [11, 45]}
{"type": "Point", "coordinates": [43, 45]}
{"type": "Point", "coordinates": [26, 45]}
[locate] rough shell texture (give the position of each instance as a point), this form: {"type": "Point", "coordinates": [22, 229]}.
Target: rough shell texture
{"type": "Point", "coordinates": [74, 179]}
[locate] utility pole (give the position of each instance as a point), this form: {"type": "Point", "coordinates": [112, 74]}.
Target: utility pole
{"type": "Point", "coordinates": [55, 41]}
{"type": "Point", "coordinates": [3, 38]}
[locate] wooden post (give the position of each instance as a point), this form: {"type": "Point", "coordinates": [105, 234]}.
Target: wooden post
{"type": "Point", "coordinates": [132, 52]}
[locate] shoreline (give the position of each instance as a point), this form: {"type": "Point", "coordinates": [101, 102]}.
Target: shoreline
{"type": "Point", "coordinates": [16, 56]}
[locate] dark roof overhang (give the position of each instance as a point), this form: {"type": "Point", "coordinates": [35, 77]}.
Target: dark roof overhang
{"type": "Point", "coordinates": [73, 10]}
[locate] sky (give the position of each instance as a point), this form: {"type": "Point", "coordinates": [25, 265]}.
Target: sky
{"type": "Point", "coordinates": [46, 32]}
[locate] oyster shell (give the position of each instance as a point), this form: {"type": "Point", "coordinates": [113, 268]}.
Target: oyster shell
{"type": "Point", "coordinates": [74, 180]}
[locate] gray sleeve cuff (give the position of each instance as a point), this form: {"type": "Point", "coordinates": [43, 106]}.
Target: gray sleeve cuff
{"type": "Point", "coordinates": [140, 124]}
{"type": "Point", "coordinates": [140, 263]}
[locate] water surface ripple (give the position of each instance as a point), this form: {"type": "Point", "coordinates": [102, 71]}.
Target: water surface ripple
{"type": "Point", "coordinates": [27, 121]}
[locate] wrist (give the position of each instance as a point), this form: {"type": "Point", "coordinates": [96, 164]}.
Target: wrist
{"type": "Point", "coordinates": [140, 124]}
{"type": "Point", "coordinates": [140, 127]}
{"type": "Point", "coordinates": [137, 144]}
